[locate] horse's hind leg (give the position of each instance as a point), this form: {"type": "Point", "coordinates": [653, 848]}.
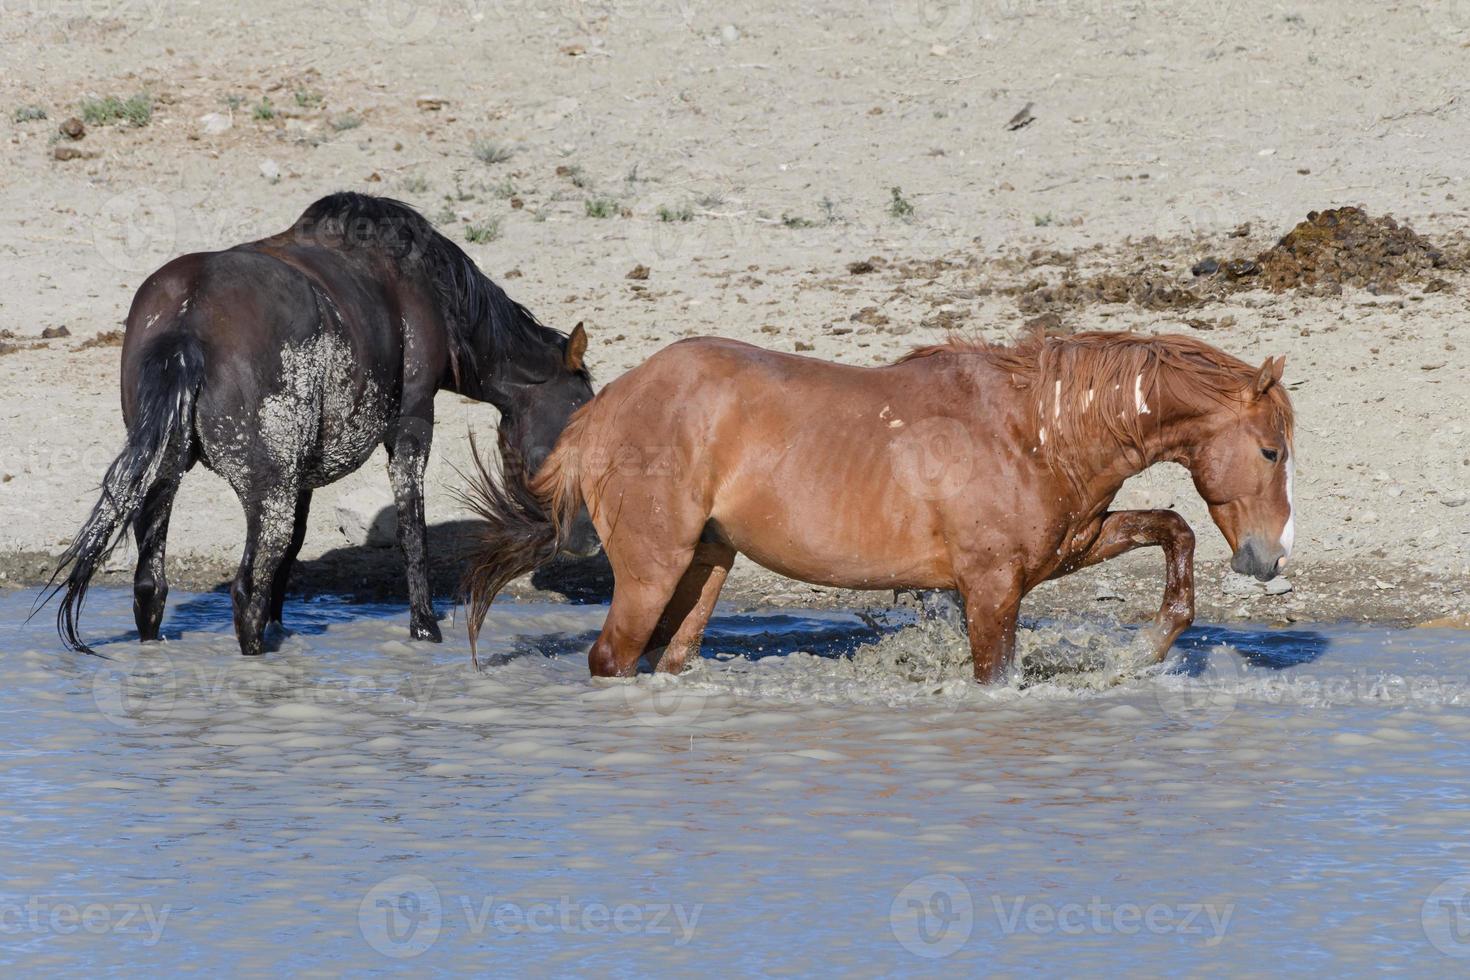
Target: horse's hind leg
{"type": "Point", "coordinates": [270, 524]}
{"type": "Point", "coordinates": [150, 584]}
{"type": "Point", "coordinates": [681, 627]}
{"type": "Point", "coordinates": [283, 573]}
{"type": "Point", "coordinates": [638, 602]}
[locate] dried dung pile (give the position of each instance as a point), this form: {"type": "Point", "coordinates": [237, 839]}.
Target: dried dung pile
{"type": "Point", "coordinates": [1151, 291]}
{"type": "Point", "coordinates": [1346, 247]}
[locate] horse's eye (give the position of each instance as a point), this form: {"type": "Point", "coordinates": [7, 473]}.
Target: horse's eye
{"type": "Point", "coordinates": [1271, 455]}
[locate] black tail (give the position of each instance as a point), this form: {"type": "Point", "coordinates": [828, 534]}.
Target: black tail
{"type": "Point", "coordinates": [159, 442]}
{"type": "Point", "coordinates": [525, 523]}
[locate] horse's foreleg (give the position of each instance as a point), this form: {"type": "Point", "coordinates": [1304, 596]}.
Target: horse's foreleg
{"type": "Point", "coordinates": [1127, 530]}
{"type": "Point", "coordinates": [992, 606]}
{"type": "Point", "coordinates": [150, 584]}
{"type": "Point", "coordinates": [270, 524]}
{"type": "Point", "coordinates": [408, 454]}
{"type": "Point", "coordinates": [681, 627]}
{"type": "Point", "coordinates": [283, 572]}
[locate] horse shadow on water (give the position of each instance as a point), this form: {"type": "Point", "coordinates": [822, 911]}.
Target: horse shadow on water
{"type": "Point", "coordinates": [367, 580]}
{"type": "Point", "coordinates": [354, 581]}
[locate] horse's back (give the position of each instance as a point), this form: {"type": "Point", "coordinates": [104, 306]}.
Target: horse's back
{"type": "Point", "coordinates": [792, 457]}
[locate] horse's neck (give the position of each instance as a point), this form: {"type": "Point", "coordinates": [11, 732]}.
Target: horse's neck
{"type": "Point", "coordinates": [1170, 434]}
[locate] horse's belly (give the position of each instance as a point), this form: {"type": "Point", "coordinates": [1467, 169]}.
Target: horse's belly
{"type": "Point", "coordinates": [846, 551]}
{"type": "Point", "coordinates": [347, 443]}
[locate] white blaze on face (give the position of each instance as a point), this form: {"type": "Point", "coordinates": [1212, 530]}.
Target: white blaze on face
{"type": "Point", "coordinates": [1138, 401]}
{"type": "Point", "coordinates": [1288, 531]}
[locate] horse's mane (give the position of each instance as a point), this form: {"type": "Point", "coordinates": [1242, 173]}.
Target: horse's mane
{"type": "Point", "coordinates": [1088, 388]}
{"type": "Point", "coordinates": [470, 299]}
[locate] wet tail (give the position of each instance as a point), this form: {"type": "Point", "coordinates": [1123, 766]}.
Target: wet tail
{"type": "Point", "coordinates": [526, 523]}
{"type": "Point", "coordinates": [159, 443]}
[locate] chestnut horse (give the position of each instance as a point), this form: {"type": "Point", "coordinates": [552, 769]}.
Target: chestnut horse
{"type": "Point", "coordinates": [984, 469]}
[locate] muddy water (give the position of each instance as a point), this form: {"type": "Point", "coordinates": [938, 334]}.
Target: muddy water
{"type": "Point", "coordinates": [816, 795]}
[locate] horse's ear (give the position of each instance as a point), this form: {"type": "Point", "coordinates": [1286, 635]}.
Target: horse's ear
{"type": "Point", "coordinates": [1268, 375]}
{"type": "Point", "coordinates": [576, 347]}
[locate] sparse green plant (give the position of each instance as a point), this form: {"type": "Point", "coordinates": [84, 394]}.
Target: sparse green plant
{"type": "Point", "coordinates": [416, 184]}
{"type": "Point", "coordinates": [683, 212]}
{"type": "Point", "coordinates": [445, 216]}
{"type": "Point", "coordinates": [504, 189]}
{"type": "Point", "coordinates": [600, 207]}
{"type": "Point", "coordinates": [345, 121]}
{"type": "Point", "coordinates": [307, 99]}
{"type": "Point", "coordinates": [136, 111]}
{"type": "Point", "coordinates": [491, 151]}
{"type": "Point", "coordinates": [233, 100]}
{"type": "Point", "coordinates": [481, 232]}
{"type": "Point", "coordinates": [898, 205]}
{"type": "Point", "coordinates": [29, 113]}
{"type": "Point", "coordinates": [829, 210]}
{"type": "Point", "coordinates": [263, 110]}
{"type": "Point", "coordinates": [1042, 220]}
{"type": "Point", "coordinates": [796, 221]}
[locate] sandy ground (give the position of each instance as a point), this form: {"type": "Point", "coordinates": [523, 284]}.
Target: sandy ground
{"type": "Point", "coordinates": [781, 133]}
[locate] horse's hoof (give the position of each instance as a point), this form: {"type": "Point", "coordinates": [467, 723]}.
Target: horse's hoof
{"type": "Point", "coordinates": [426, 631]}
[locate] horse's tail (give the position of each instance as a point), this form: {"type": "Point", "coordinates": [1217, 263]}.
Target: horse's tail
{"type": "Point", "coordinates": [526, 522]}
{"type": "Point", "coordinates": [160, 439]}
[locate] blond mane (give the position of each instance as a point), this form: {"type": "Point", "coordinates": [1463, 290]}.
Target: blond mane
{"type": "Point", "coordinates": [1105, 388]}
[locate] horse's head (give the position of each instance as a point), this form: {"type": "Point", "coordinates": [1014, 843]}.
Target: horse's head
{"type": "Point", "coordinates": [536, 398]}
{"type": "Point", "coordinates": [1242, 467]}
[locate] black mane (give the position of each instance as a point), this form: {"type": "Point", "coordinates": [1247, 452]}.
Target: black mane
{"type": "Point", "coordinates": [470, 299]}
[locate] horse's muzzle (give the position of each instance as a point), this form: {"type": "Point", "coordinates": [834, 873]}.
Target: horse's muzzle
{"type": "Point", "coordinates": [1258, 559]}
{"type": "Point", "coordinates": [582, 542]}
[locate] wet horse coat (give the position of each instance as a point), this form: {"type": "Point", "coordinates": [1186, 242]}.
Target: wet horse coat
{"type": "Point", "coordinates": [281, 364]}
{"type": "Point", "coordinates": [964, 466]}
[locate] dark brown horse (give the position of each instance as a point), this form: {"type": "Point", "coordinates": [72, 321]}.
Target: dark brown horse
{"type": "Point", "coordinates": [983, 469]}
{"type": "Point", "coordinates": [281, 364]}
